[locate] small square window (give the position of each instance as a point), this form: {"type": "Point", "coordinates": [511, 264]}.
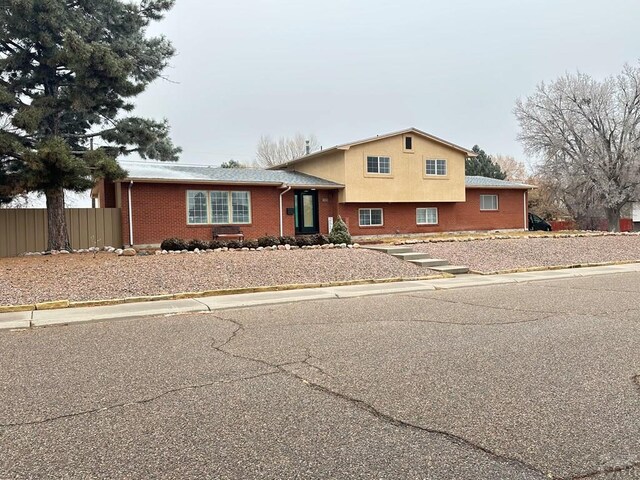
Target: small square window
{"type": "Point", "coordinates": [436, 167]}
{"type": "Point", "coordinates": [370, 217]}
{"type": "Point", "coordinates": [427, 216]}
{"type": "Point", "coordinates": [488, 202]}
{"type": "Point", "coordinates": [379, 165]}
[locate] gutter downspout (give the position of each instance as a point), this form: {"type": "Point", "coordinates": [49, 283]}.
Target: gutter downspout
{"type": "Point", "coordinates": [281, 220]}
{"type": "Point", "coordinates": [524, 203]}
{"type": "Point", "coordinates": [130, 214]}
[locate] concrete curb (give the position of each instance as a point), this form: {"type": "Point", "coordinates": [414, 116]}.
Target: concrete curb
{"type": "Point", "coordinates": [57, 304]}
{"type": "Point", "coordinates": [553, 267]}
{"type": "Point", "coordinates": [202, 304]}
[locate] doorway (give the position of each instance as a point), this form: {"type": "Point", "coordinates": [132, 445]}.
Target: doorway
{"type": "Point", "coordinates": [306, 212]}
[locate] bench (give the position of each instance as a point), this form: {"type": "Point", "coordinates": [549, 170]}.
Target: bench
{"type": "Point", "coordinates": [226, 231]}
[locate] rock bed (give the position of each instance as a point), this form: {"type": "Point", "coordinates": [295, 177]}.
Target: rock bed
{"type": "Point", "coordinates": [102, 275]}
{"type": "Point", "coordinates": [507, 254]}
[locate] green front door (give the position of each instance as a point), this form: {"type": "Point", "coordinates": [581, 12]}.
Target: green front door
{"type": "Point", "coordinates": [306, 212]}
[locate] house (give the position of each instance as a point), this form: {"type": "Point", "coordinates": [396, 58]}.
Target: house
{"type": "Point", "coordinates": [402, 182]}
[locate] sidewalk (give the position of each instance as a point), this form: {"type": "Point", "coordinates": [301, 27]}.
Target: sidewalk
{"type": "Point", "coordinates": [64, 316]}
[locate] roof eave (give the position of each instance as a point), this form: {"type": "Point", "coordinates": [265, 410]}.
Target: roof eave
{"type": "Point", "coordinates": [225, 182]}
{"type": "Point", "coordinates": [502, 187]}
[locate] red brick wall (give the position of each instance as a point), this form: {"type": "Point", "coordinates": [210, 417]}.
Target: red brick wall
{"type": "Point", "coordinates": [400, 218]}
{"type": "Point", "coordinates": [160, 211]}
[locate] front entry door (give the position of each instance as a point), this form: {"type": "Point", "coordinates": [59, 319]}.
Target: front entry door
{"type": "Point", "coordinates": [306, 212]}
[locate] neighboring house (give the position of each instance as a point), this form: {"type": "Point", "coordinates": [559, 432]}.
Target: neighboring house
{"type": "Point", "coordinates": [403, 182]}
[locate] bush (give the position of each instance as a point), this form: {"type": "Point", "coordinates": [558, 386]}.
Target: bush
{"type": "Point", "coordinates": [287, 240]}
{"type": "Point", "coordinates": [320, 239]}
{"type": "Point", "coordinates": [340, 233]}
{"type": "Point", "coordinates": [268, 241]}
{"type": "Point", "coordinates": [173, 244]}
{"type": "Point", "coordinates": [251, 243]}
{"type": "Point", "coordinates": [199, 244]}
{"type": "Point", "coordinates": [304, 240]}
{"type": "Point", "coordinates": [234, 244]}
{"type": "Point", "coordinates": [213, 244]}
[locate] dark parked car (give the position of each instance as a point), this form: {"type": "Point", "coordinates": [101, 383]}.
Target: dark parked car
{"type": "Point", "coordinates": [537, 223]}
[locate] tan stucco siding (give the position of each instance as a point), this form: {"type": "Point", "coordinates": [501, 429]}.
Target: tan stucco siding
{"type": "Point", "coordinates": [407, 181]}
{"type": "Point", "coordinates": [330, 167]}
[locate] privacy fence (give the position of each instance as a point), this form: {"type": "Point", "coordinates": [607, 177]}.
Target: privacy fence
{"type": "Point", "coordinates": [25, 229]}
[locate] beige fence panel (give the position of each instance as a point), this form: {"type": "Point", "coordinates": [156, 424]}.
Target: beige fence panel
{"type": "Point", "coordinates": [25, 229]}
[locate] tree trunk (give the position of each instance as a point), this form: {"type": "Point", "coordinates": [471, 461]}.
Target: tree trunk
{"type": "Point", "coordinates": [58, 234]}
{"type": "Point", "coordinates": [613, 219]}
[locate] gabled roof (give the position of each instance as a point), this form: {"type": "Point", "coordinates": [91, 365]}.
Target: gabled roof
{"type": "Point", "coordinates": [347, 146]}
{"type": "Point", "coordinates": [165, 172]}
{"type": "Point", "coordinates": [474, 181]}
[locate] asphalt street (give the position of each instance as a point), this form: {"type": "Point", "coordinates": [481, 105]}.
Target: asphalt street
{"type": "Point", "coordinates": [520, 381]}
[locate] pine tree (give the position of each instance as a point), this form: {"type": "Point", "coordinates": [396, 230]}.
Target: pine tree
{"type": "Point", "coordinates": [339, 233]}
{"type": "Point", "coordinates": [68, 72]}
{"type": "Point", "coordinates": [483, 165]}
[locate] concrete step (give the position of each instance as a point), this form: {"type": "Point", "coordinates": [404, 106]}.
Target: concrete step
{"type": "Point", "coordinates": [408, 256]}
{"type": "Point", "coordinates": [390, 249]}
{"type": "Point", "coordinates": [454, 269]}
{"type": "Point", "coordinates": [430, 262]}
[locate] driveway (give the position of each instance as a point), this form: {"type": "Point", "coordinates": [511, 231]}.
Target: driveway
{"type": "Point", "coordinates": [522, 381]}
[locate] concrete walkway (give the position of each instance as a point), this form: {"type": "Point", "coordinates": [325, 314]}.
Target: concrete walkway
{"type": "Point", "coordinates": [64, 316]}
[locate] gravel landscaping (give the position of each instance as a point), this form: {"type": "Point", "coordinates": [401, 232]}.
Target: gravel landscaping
{"type": "Point", "coordinates": [496, 255]}
{"type": "Point", "coordinates": [85, 277]}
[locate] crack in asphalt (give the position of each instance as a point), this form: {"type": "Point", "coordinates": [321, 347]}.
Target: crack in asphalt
{"type": "Point", "coordinates": [525, 310]}
{"type": "Point", "coordinates": [602, 471]}
{"type": "Point", "coordinates": [136, 402]}
{"type": "Point", "coordinates": [364, 406]}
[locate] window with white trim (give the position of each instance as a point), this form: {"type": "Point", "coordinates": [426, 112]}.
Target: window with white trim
{"type": "Point", "coordinates": [379, 165]}
{"type": "Point", "coordinates": [370, 217]}
{"type": "Point", "coordinates": [427, 216]}
{"type": "Point", "coordinates": [197, 207]}
{"type": "Point", "coordinates": [240, 207]}
{"type": "Point", "coordinates": [218, 207]}
{"type": "Point", "coordinates": [489, 202]}
{"type": "Point", "coordinates": [436, 167]}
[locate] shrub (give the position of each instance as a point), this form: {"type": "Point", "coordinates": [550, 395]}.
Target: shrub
{"type": "Point", "coordinates": [268, 241]}
{"type": "Point", "coordinates": [287, 240]}
{"type": "Point", "coordinates": [213, 244]}
{"type": "Point", "coordinates": [304, 240]}
{"type": "Point", "coordinates": [339, 232]}
{"type": "Point", "coordinates": [173, 244]}
{"type": "Point", "coordinates": [251, 243]}
{"type": "Point", "coordinates": [320, 239]}
{"type": "Point", "coordinates": [196, 243]}
{"type": "Point", "coordinates": [234, 244]}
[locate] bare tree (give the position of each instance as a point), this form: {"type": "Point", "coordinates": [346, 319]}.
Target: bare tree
{"type": "Point", "coordinates": [515, 170]}
{"type": "Point", "coordinates": [588, 135]}
{"type": "Point", "coordinates": [274, 152]}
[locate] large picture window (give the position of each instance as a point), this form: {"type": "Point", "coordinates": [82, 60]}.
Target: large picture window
{"type": "Point", "coordinates": [218, 207]}
{"type": "Point", "coordinates": [489, 202]}
{"type": "Point", "coordinates": [379, 165]}
{"type": "Point", "coordinates": [427, 216]}
{"type": "Point", "coordinates": [370, 217]}
{"type": "Point", "coordinates": [436, 167]}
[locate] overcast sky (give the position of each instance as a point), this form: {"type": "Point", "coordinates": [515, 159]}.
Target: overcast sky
{"type": "Point", "coordinates": [349, 69]}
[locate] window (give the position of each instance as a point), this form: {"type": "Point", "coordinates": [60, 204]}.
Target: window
{"type": "Point", "coordinates": [213, 207]}
{"type": "Point", "coordinates": [370, 217]}
{"type": "Point", "coordinates": [408, 143]}
{"type": "Point", "coordinates": [488, 202]}
{"type": "Point", "coordinates": [240, 207]}
{"type": "Point", "coordinates": [427, 216]}
{"type": "Point", "coordinates": [379, 165]}
{"type": "Point", "coordinates": [219, 207]}
{"type": "Point", "coordinates": [197, 207]}
{"type": "Point", "coordinates": [436, 167]}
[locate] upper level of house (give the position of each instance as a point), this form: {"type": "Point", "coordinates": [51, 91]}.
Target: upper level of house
{"type": "Point", "coordinates": [405, 166]}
